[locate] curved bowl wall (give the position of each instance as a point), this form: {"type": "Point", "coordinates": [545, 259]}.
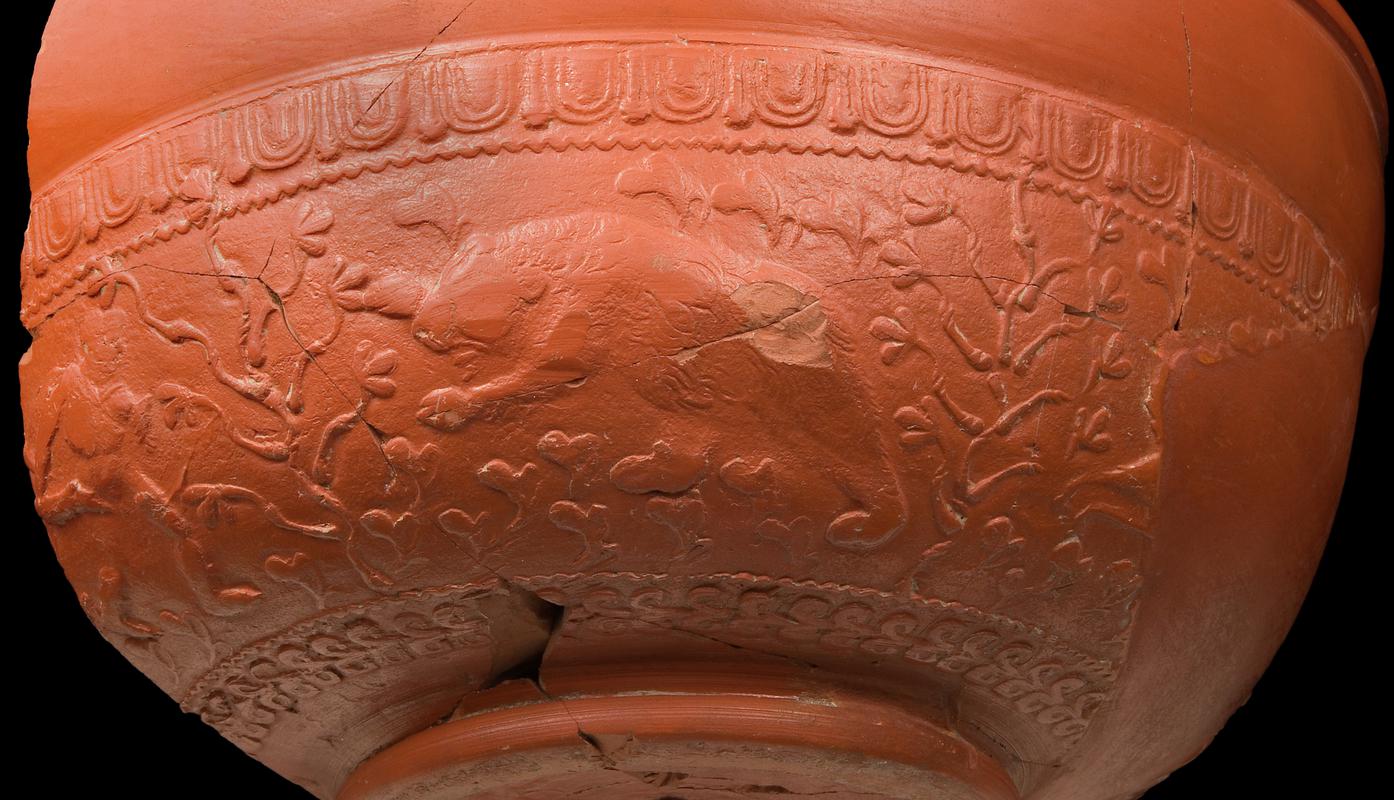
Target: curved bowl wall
{"type": "Point", "coordinates": [413, 384]}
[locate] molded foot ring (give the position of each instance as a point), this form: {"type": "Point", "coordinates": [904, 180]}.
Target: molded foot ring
{"type": "Point", "coordinates": [701, 739]}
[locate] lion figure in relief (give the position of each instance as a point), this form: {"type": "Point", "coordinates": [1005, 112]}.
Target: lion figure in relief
{"type": "Point", "coordinates": [732, 353]}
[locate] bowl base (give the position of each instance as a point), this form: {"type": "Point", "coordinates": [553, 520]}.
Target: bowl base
{"type": "Point", "coordinates": [686, 735]}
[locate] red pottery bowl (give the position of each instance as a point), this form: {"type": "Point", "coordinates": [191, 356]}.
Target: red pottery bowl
{"type": "Point", "coordinates": [699, 399]}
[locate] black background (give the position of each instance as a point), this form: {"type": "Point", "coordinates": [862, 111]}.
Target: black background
{"type": "Point", "coordinates": [83, 721]}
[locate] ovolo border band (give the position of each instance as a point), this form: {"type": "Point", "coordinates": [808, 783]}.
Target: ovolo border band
{"type": "Point", "coordinates": [713, 95]}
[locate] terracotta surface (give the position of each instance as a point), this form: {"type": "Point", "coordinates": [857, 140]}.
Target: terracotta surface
{"type": "Point", "coordinates": [632, 400]}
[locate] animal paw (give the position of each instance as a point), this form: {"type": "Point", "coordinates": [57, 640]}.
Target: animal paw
{"type": "Point", "coordinates": [447, 409]}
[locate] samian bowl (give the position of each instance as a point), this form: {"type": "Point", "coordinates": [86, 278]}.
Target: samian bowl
{"type": "Point", "coordinates": [686, 400]}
